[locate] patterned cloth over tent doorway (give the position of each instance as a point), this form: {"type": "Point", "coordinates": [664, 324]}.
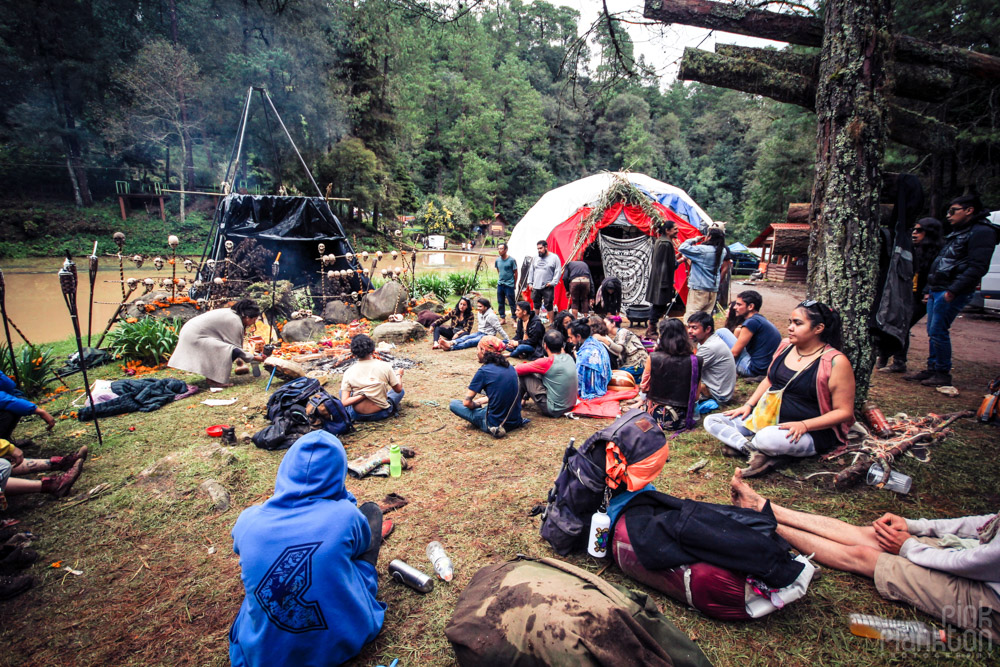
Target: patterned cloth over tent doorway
{"type": "Point", "coordinates": [629, 259]}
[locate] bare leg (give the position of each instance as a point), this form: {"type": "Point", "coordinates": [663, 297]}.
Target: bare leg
{"type": "Point", "coordinates": [856, 558]}
{"type": "Point", "coordinates": [16, 486]}
{"type": "Point", "coordinates": [29, 466]}
{"type": "Point", "coordinates": [834, 530]}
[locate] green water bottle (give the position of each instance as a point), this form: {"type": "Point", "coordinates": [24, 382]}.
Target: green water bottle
{"type": "Point", "coordinates": [395, 461]}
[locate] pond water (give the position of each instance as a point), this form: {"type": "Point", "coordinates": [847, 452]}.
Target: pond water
{"type": "Point", "coordinates": [35, 303]}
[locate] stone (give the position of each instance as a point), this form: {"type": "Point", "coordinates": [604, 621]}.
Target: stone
{"type": "Point", "coordinates": [181, 311]}
{"type": "Point", "coordinates": [386, 300]}
{"type": "Point", "coordinates": [216, 493]}
{"type": "Point", "coordinates": [338, 312]}
{"type": "Point", "coordinates": [398, 332]}
{"type": "Point", "coordinates": [430, 304]}
{"type": "Point", "coordinates": [300, 331]}
{"type": "Point", "coordinates": [286, 369]}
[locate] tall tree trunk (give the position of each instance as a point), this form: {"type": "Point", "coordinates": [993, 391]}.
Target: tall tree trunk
{"type": "Point", "coordinates": [851, 134]}
{"type": "Point", "coordinates": [182, 173]}
{"type": "Point", "coordinates": [77, 197]}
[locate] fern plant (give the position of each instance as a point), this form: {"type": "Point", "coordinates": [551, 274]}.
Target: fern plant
{"type": "Point", "coordinates": [149, 340]}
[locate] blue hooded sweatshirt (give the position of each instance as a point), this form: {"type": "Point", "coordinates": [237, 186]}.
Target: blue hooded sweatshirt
{"type": "Point", "coordinates": [11, 398]}
{"type": "Point", "coordinates": [309, 600]}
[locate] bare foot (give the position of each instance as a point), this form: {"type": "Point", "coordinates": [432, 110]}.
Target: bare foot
{"type": "Point", "coordinates": [743, 495]}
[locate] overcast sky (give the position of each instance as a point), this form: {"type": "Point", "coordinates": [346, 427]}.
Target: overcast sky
{"type": "Point", "coordinates": [661, 46]}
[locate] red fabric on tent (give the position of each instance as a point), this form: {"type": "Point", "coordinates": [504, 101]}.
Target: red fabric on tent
{"type": "Point", "coordinates": [562, 240]}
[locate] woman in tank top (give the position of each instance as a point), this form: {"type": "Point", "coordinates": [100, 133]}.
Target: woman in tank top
{"type": "Point", "coordinates": [666, 379]}
{"type": "Point", "coordinates": [817, 406]}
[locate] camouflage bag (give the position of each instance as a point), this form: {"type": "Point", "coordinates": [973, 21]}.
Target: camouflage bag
{"type": "Point", "coordinates": [548, 612]}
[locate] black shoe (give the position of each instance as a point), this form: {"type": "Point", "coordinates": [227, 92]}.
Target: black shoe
{"type": "Point", "coordinates": [937, 380]}
{"type": "Point", "coordinates": [13, 586]}
{"type": "Point", "coordinates": [17, 558]}
{"type": "Point", "coordinates": [896, 366]}
{"type": "Point", "coordinates": [919, 376]}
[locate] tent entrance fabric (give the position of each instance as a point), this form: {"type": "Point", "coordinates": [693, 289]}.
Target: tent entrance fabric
{"type": "Point", "coordinates": [627, 204]}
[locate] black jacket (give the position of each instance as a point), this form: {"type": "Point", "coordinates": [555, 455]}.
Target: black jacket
{"type": "Point", "coordinates": [577, 269]}
{"type": "Point", "coordinates": [667, 532]}
{"type": "Point", "coordinates": [534, 335]}
{"type": "Point", "coordinates": [660, 288]}
{"type": "Point", "coordinates": [964, 259]}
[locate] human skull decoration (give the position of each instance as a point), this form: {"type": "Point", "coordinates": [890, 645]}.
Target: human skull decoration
{"type": "Point", "coordinates": [229, 246]}
{"type": "Point", "coordinates": [210, 263]}
{"type": "Point", "coordinates": [218, 281]}
{"type": "Point", "coordinates": [119, 239]}
{"type": "Point", "coordinates": [202, 302]}
{"type": "Point", "coordinates": [394, 255]}
{"type": "Point", "coordinates": [330, 275]}
{"type": "Point", "coordinates": [173, 241]}
{"type": "Point", "coordinates": [158, 263]}
{"type": "Point", "coordinates": [148, 285]}
{"type": "Point", "coordinates": [378, 254]}
{"type": "Point", "coordinates": [349, 256]}
{"type": "Point", "coordinates": [364, 255]}
{"type": "Point", "coordinates": [138, 261]}
{"type": "Point", "coordinates": [132, 283]}
{"type": "Point", "coordinates": [188, 265]}
{"type": "Point", "coordinates": [322, 248]}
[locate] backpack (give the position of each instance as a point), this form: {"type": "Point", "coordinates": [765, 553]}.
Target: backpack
{"type": "Point", "coordinates": [328, 413]}
{"type": "Point", "coordinates": [297, 408]}
{"type": "Point", "coordinates": [548, 612]}
{"type": "Point", "coordinates": [296, 392]}
{"type": "Point", "coordinates": [989, 409]}
{"type": "Point", "coordinates": [284, 431]}
{"type": "Point", "coordinates": [630, 452]}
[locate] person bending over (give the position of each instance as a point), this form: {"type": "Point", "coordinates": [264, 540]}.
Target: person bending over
{"type": "Point", "coordinates": [371, 390]}
{"type": "Point", "coordinates": [593, 365]}
{"type": "Point", "coordinates": [550, 381]}
{"type": "Point", "coordinates": [718, 368]}
{"type": "Point", "coordinates": [487, 324]}
{"type": "Point", "coordinates": [499, 409]}
{"type": "Point", "coordinates": [527, 343]}
{"type": "Point", "coordinates": [307, 561]}
{"type": "Point", "coordinates": [459, 320]}
{"type": "Point", "coordinates": [627, 346]}
{"type": "Point", "coordinates": [209, 343]}
{"type": "Point", "coordinates": [814, 385]}
{"type": "Point", "coordinates": [579, 285]}
{"type": "Point", "coordinates": [948, 568]}
{"type": "Point", "coordinates": [666, 380]}
{"type": "Point", "coordinates": [757, 340]}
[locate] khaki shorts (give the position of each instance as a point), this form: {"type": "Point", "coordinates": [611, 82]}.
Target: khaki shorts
{"type": "Point", "coordinates": [958, 601]}
{"type": "Point", "coordinates": [699, 301]}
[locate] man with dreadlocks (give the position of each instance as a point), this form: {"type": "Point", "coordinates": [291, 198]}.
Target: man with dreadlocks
{"type": "Point", "coordinates": [948, 568]}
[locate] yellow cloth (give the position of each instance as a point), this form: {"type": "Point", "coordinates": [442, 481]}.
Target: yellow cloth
{"type": "Point", "coordinates": [5, 447]}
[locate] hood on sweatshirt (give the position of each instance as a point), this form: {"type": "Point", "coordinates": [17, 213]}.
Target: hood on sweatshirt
{"type": "Point", "coordinates": [314, 468]}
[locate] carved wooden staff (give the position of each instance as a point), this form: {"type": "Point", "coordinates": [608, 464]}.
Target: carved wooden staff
{"type": "Point", "coordinates": [68, 282]}
{"type": "Point", "coordinates": [119, 240]}
{"type": "Point", "coordinates": [274, 286]}
{"type": "Point", "coordinates": [6, 328]}
{"type": "Point", "coordinates": [92, 272]}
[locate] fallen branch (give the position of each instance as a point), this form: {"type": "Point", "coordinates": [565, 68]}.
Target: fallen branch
{"type": "Point", "coordinates": [850, 475]}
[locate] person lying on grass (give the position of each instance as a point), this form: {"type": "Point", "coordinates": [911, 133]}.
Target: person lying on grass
{"type": "Point", "coordinates": [371, 390]}
{"type": "Point", "coordinates": [948, 568]}
{"type": "Point", "coordinates": [813, 384]}
{"type": "Point", "coordinates": [307, 563]}
{"type": "Point", "coordinates": [499, 410]}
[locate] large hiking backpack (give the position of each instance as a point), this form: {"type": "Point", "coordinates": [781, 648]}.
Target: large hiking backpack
{"type": "Point", "coordinates": [630, 453]}
{"type": "Point", "coordinates": [298, 407]}
{"type": "Point", "coordinates": [296, 392]}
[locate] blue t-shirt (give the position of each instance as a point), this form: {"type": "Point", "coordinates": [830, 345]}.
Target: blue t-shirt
{"type": "Point", "coordinates": [506, 269]}
{"type": "Point", "coordinates": [765, 341]}
{"type": "Point", "coordinates": [500, 386]}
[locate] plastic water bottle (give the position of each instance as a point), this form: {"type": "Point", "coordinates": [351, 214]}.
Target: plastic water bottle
{"type": "Point", "coordinates": [913, 633]}
{"type": "Point", "coordinates": [395, 461]}
{"type": "Point", "coordinates": [440, 560]}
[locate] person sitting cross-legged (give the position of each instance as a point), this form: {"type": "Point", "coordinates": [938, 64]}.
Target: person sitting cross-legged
{"type": "Point", "coordinates": [487, 324]}
{"type": "Point", "coordinates": [593, 364]}
{"type": "Point", "coordinates": [757, 338]}
{"type": "Point", "coordinates": [371, 390]}
{"type": "Point", "coordinates": [948, 568]}
{"type": "Point", "coordinates": [527, 343]}
{"type": "Point", "coordinates": [550, 381]}
{"type": "Point", "coordinates": [461, 318]}
{"type": "Point", "coordinates": [307, 563]}
{"type": "Point", "coordinates": [499, 410]}
{"type": "Point", "coordinates": [718, 367]}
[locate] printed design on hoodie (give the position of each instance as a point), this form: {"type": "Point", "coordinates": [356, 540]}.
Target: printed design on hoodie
{"type": "Point", "coordinates": [282, 592]}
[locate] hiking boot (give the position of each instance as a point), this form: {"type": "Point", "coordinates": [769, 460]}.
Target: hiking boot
{"type": "Point", "coordinates": [881, 362]}
{"type": "Point", "coordinates": [60, 486]}
{"type": "Point", "coordinates": [17, 558]}
{"type": "Point", "coordinates": [13, 586]}
{"type": "Point", "coordinates": [896, 366]}
{"type": "Point", "coordinates": [497, 431]}
{"type": "Point", "coordinates": [66, 462]}
{"type": "Point", "coordinates": [937, 380]}
{"type": "Point", "coordinates": [919, 376]}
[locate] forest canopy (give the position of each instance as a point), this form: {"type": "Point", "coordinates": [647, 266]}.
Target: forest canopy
{"type": "Point", "coordinates": [390, 106]}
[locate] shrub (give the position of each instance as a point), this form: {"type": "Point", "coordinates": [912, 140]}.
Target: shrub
{"type": "Point", "coordinates": [463, 282]}
{"type": "Point", "coordinates": [149, 340]}
{"type": "Point", "coordinates": [435, 284]}
{"type": "Point", "coordinates": [35, 366]}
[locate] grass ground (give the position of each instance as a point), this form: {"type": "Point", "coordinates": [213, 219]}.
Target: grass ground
{"type": "Point", "coordinates": [160, 583]}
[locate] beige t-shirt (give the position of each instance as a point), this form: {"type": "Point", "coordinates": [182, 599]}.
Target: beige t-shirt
{"type": "Point", "coordinates": [372, 378]}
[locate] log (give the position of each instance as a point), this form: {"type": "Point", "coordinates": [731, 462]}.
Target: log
{"type": "Point", "coordinates": [808, 31]}
{"type": "Point", "coordinates": [916, 82]}
{"type": "Point", "coordinates": [905, 127]}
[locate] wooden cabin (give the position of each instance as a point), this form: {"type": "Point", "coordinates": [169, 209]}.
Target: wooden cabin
{"type": "Point", "coordinates": [785, 251]}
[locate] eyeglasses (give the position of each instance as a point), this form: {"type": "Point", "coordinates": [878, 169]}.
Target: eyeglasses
{"type": "Point", "coordinates": [918, 230]}
{"type": "Point", "coordinates": [956, 209]}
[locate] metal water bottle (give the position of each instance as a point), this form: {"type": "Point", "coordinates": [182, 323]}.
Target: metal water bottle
{"type": "Point", "coordinates": [600, 527]}
{"type": "Point", "coordinates": [410, 576]}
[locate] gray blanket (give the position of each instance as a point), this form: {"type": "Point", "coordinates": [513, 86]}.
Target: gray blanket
{"type": "Point", "coordinates": [206, 344]}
